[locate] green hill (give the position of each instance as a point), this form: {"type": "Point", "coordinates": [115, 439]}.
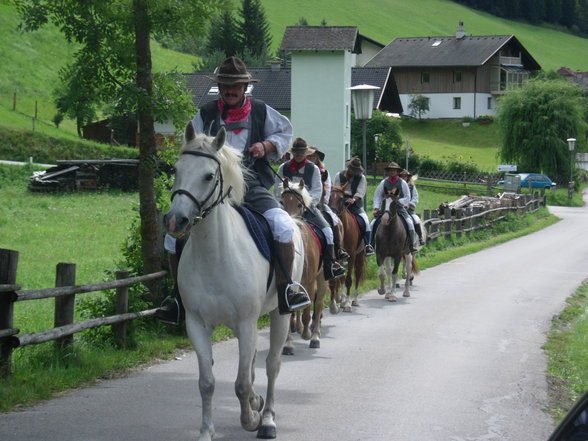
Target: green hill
{"type": "Point", "coordinates": [385, 20]}
{"type": "Point", "coordinates": [31, 61]}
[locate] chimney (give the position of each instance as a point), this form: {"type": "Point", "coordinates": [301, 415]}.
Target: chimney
{"type": "Point", "coordinates": [460, 32]}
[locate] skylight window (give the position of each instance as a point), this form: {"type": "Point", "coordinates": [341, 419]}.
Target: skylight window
{"type": "Point", "coordinates": [214, 90]}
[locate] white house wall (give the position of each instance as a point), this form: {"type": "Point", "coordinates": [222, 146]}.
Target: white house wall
{"type": "Point", "coordinates": [321, 103]}
{"type": "Point", "coordinates": [441, 105]}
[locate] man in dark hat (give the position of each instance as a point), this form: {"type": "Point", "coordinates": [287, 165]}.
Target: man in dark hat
{"type": "Point", "coordinates": [355, 193]}
{"type": "Point", "coordinates": [394, 182]}
{"type": "Point", "coordinates": [261, 133]}
{"type": "Point", "coordinates": [414, 200]}
{"type": "Point", "coordinates": [300, 168]}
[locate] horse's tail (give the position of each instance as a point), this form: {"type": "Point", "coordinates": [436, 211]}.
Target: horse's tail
{"type": "Point", "coordinates": [415, 266]}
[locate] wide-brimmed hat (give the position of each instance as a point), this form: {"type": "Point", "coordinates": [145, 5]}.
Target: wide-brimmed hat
{"type": "Point", "coordinates": [405, 172]}
{"type": "Point", "coordinates": [393, 165]}
{"type": "Point", "coordinates": [355, 165]}
{"type": "Point", "coordinates": [315, 151]}
{"type": "Point", "coordinates": [232, 71]}
{"type": "Point", "coordinates": [299, 147]}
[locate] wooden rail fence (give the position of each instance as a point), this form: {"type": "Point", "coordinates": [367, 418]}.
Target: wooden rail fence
{"type": "Point", "coordinates": [465, 220]}
{"type": "Point", "coordinates": [64, 294]}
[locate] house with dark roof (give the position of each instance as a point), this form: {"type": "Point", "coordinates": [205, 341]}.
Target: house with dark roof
{"type": "Point", "coordinates": [461, 75]}
{"type": "Point", "coordinates": [322, 61]}
{"type": "Point", "coordinates": [579, 78]}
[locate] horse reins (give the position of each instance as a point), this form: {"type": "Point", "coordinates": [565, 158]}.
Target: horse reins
{"type": "Point", "coordinates": [344, 207]}
{"type": "Point", "coordinates": [220, 198]}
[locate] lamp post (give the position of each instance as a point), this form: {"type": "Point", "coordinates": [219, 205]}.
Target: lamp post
{"type": "Point", "coordinates": [571, 145]}
{"type": "Point", "coordinates": [362, 97]}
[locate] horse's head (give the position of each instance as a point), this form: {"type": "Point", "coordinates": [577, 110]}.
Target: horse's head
{"type": "Point", "coordinates": [390, 206]}
{"type": "Point", "coordinates": [337, 199]}
{"type": "Point", "coordinates": [295, 198]}
{"type": "Point", "coordinates": [205, 174]}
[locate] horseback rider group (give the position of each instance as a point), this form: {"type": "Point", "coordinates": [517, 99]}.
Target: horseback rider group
{"type": "Point", "coordinates": [263, 134]}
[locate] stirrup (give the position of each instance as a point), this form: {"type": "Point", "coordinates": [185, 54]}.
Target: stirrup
{"type": "Point", "coordinates": [337, 270]}
{"type": "Point", "coordinates": [343, 255]}
{"type": "Point", "coordinates": [169, 311]}
{"type": "Point", "coordinates": [296, 299]}
{"type": "Point", "coordinates": [369, 250]}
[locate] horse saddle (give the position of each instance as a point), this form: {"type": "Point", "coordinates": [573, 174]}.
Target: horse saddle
{"type": "Point", "coordinates": [319, 236]}
{"type": "Point", "coordinates": [259, 230]}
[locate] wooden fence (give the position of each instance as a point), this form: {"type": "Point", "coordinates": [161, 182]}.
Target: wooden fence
{"type": "Point", "coordinates": [64, 294]}
{"type": "Point", "coordinates": [465, 220]}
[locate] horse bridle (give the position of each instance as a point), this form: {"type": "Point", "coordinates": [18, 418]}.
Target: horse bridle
{"type": "Point", "coordinates": [297, 196]}
{"type": "Point", "coordinates": [220, 198]}
{"type": "Point", "coordinates": [344, 207]}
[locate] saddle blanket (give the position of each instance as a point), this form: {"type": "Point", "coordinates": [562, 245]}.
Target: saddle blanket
{"type": "Point", "coordinates": [259, 230]}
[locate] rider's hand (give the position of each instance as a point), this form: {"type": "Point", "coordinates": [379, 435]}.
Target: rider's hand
{"type": "Point", "coordinates": [257, 150]}
{"type": "Point", "coordinates": [351, 201]}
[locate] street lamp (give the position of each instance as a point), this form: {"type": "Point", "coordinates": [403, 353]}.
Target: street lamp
{"type": "Point", "coordinates": [571, 145]}
{"type": "Point", "coordinates": [362, 97]}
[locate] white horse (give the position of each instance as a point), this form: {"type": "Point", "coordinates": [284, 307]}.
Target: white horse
{"type": "Point", "coordinates": [222, 275]}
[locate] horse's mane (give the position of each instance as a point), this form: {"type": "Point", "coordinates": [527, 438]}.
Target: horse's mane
{"type": "Point", "coordinates": [230, 161]}
{"type": "Point", "coordinates": [302, 192]}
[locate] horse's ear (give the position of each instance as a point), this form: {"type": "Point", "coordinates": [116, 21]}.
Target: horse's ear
{"type": "Point", "coordinates": [301, 184]}
{"type": "Point", "coordinates": [189, 133]}
{"type": "Point", "coordinates": [219, 139]}
{"type": "Point", "coordinates": [286, 182]}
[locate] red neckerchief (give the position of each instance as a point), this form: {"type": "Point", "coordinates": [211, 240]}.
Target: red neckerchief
{"type": "Point", "coordinates": [393, 180]}
{"type": "Point", "coordinates": [235, 115]}
{"type": "Point", "coordinates": [295, 166]}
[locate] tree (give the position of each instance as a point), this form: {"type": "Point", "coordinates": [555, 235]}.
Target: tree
{"type": "Point", "coordinates": [389, 138]}
{"type": "Point", "coordinates": [222, 36]}
{"type": "Point", "coordinates": [536, 120]}
{"type": "Point", "coordinates": [419, 105]}
{"type": "Point", "coordinates": [114, 58]}
{"type": "Point", "coordinates": [253, 29]}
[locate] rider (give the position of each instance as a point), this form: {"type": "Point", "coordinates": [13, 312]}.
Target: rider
{"type": "Point", "coordinates": [297, 169]}
{"type": "Point", "coordinates": [393, 181]}
{"type": "Point", "coordinates": [354, 193]}
{"type": "Point", "coordinates": [414, 200]}
{"type": "Point", "coordinates": [261, 133]}
{"type": "Point", "coordinates": [317, 156]}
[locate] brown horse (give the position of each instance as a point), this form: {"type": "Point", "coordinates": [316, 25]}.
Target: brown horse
{"type": "Point", "coordinates": [295, 199]}
{"type": "Point", "coordinates": [353, 243]}
{"type": "Point", "coordinates": [392, 244]}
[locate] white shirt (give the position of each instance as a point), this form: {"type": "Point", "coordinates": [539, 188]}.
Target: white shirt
{"type": "Point", "coordinates": [315, 188]}
{"type": "Point", "coordinates": [379, 194]}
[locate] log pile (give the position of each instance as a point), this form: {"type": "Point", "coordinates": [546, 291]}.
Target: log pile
{"type": "Point", "coordinates": [483, 202]}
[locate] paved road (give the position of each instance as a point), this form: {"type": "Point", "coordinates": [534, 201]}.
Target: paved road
{"type": "Point", "coordinates": [460, 360]}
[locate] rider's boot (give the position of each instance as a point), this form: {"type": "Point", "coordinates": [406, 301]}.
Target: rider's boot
{"type": "Point", "coordinates": [411, 245]}
{"type": "Point", "coordinates": [171, 309]}
{"type": "Point", "coordinates": [419, 230]}
{"type": "Point", "coordinates": [291, 296]}
{"type": "Point", "coordinates": [369, 249]}
{"type": "Point", "coordinates": [339, 250]}
{"type": "Point", "coordinates": [331, 268]}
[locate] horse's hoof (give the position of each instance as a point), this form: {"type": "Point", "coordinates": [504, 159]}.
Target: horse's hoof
{"type": "Point", "coordinates": [266, 432]}
{"type": "Point", "coordinates": [347, 309]}
{"type": "Point", "coordinates": [355, 303]}
{"type": "Point", "coordinates": [406, 294]}
{"type": "Point", "coordinates": [391, 298]}
{"type": "Point", "coordinates": [258, 404]}
{"type": "Point", "coordinates": [381, 291]}
{"type": "Point", "coordinates": [287, 351]}
{"type": "Point", "coordinates": [334, 309]}
{"type": "Point", "coordinates": [315, 344]}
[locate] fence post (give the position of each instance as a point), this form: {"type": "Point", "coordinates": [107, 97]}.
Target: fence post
{"type": "Point", "coordinates": [468, 221]}
{"type": "Point", "coordinates": [447, 215]}
{"type": "Point", "coordinates": [426, 226]}
{"type": "Point", "coordinates": [64, 305]}
{"type": "Point", "coordinates": [8, 264]}
{"type": "Point", "coordinates": [458, 223]}
{"type": "Point", "coordinates": [434, 227]}
{"type": "Point", "coordinates": [121, 307]}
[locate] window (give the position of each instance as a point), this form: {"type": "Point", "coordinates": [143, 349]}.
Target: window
{"type": "Point", "coordinates": [457, 102]}
{"type": "Point", "coordinates": [457, 77]}
{"type": "Point", "coordinates": [489, 102]}
{"type": "Point", "coordinates": [425, 77]}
